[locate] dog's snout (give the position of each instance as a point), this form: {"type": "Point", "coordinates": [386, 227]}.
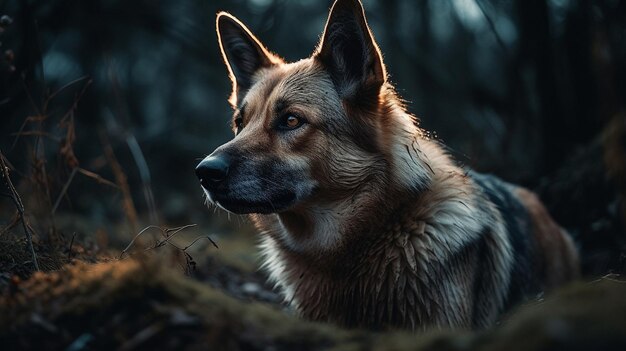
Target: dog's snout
{"type": "Point", "coordinates": [213, 169]}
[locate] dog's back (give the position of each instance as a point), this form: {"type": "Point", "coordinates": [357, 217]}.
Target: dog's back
{"type": "Point", "coordinates": [544, 255]}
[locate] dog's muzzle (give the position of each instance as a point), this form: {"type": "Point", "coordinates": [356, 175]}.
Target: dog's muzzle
{"type": "Point", "coordinates": [213, 170]}
{"type": "Point", "coordinates": [251, 186]}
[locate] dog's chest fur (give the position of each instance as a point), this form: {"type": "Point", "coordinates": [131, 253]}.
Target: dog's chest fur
{"type": "Point", "coordinates": [440, 260]}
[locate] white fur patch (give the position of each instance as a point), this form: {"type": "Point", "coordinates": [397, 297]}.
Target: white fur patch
{"type": "Point", "coordinates": [325, 235]}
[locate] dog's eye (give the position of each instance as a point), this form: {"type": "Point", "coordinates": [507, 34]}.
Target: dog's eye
{"type": "Point", "coordinates": [290, 122]}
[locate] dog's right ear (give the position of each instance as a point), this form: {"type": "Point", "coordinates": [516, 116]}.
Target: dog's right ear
{"type": "Point", "coordinates": [243, 53]}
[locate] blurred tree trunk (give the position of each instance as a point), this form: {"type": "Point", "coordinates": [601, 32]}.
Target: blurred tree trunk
{"type": "Point", "coordinates": [536, 56]}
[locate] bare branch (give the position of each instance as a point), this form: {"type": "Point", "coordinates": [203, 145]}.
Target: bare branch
{"type": "Point", "coordinates": [69, 251]}
{"type": "Point", "coordinates": [122, 182]}
{"type": "Point", "coordinates": [198, 238]}
{"type": "Point", "coordinates": [64, 190]}
{"type": "Point", "coordinates": [38, 134]}
{"type": "Point", "coordinates": [144, 173]}
{"type": "Point", "coordinates": [137, 236]}
{"type": "Point", "coordinates": [51, 96]}
{"type": "Point", "coordinates": [97, 177]}
{"type": "Point", "coordinates": [168, 234]}
{"type": "Point", "coordinates": [17, 201]}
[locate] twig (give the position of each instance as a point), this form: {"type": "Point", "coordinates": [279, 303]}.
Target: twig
{"type": "Point", "coordinates": [164, 231]}
{"type": "Point", "coordinates": [66, 149]}
{"type": "Point", "coordinates": [38, 134]}
{"type": "Point", "coordinates": [144, 174]}
{"type": "Point", "coordinates": [17, 201]}
{"type": "Point", "coordinates": [78, 97]}
{"type": "Point", "coordinates": [39, 162]}
{"type": "Point", "coordinates": [97, 177]}
{"type": "Point", "coordinates": [29, 119]}
{"type": "Point", "coordinates": [64, 190]}
{"type": "Point", "coordinates": [137, 236]}
{"type": "Point", "coordinates": [131, 141]}
{"type": "Point", "coordinates": [30, 96]}
{"type": "Point", "coordinates": [198, 238]}
{"type": "Point", "coordinates": [190, 263]}
{"type": "Point", "coordinates": [168, 234]}
{"type": "Point", "coordinates": [140, 162]}
{"type": "Point", "coordinates": [122, 182]}
{"type": "Point", "coordinates": [51, 96]}
{"type": "Point", "coordinates": [69, 252]}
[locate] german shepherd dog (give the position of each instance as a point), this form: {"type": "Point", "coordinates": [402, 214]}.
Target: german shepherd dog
{"type": "Point", "coordinates": [365, 221]}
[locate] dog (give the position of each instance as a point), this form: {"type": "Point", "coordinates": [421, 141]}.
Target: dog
{"type": "Point", "coordinates": [365, 220]}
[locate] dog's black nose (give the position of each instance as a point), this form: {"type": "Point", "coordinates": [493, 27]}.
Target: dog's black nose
{"type": "Point", "coordinates": [213, 169]}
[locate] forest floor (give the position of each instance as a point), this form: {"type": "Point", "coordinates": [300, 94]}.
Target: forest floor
{"type": "Point", "coordinates": [194, 295]}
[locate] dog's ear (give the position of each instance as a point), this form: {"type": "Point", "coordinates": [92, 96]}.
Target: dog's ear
{"type": "Point", "coordinates": [349, 52]}
{"type": "Point", "coordinates": [243, 53]}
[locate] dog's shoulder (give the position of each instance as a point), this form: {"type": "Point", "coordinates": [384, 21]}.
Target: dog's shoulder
{"type": "Point", "coordinates": [518, 224]}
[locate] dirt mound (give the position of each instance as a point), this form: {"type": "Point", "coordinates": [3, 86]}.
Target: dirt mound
{"type": "Point", "coordinates": [135, 304]}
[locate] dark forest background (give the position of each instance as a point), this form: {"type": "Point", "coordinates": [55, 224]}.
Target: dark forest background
{"type": "Point", "coordinates": [107, 106]}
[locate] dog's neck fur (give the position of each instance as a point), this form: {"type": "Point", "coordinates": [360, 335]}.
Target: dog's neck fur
{"type": "Point", "coordinates": [319, 228]}
{"type": "Point", "coordinates": [332, 257]}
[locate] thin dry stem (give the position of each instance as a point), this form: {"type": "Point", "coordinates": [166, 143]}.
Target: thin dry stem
{"type": "Point", "coordinates": [64, 190]}
{"type": "Point", "coordinates": [98, 178]}
{"type": "Point", "coordinates": [122, 183]}
{"type": "Point", "coordinates": [17, 201]}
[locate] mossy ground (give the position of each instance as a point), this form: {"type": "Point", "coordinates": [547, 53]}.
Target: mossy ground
{"type": "Point", "coordinates": [140, 303]}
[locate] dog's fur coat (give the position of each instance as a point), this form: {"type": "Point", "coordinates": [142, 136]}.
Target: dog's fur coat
{"type": "Point", "coordinates": [365, 221]}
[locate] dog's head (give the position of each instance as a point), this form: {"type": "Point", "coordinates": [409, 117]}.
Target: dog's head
{"type": "Point", "coordinates": [305, 132]}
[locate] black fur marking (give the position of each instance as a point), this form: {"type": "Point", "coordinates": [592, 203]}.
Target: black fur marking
{"type": "Point", "coordinates": [517, 220]}
{"type": "Point", "coordinates": [280, 106]}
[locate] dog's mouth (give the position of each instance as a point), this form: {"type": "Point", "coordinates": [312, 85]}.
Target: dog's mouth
{"type": "Point", "coordinates": [274, 203]}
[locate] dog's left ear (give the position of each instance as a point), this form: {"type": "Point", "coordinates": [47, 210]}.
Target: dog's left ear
{"type": "Point", "coordinates": [349, 52]}
{"type": "Point", "coordinates": [243, 53]}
